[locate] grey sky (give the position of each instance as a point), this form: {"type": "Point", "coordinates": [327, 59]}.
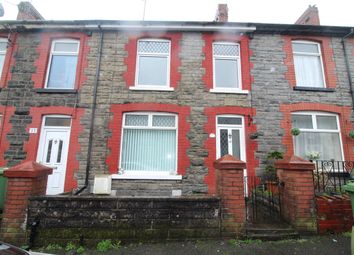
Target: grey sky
{"type": "Point", "coordinates": [337, 13]}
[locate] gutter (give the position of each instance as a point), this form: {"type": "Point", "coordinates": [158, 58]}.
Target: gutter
{"type": "Point", "coordinates": [347, 65]}
{"type": "Point", "coordinates": [137, 27]}
{"type": "Point", "coordinates": [93, 112]}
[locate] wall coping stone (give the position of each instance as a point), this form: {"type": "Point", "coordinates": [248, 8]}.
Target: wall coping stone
{"type": "Point", "coordinates": [229, 162]}
{"type": "Point", "coordinates": [295, 163]}
{"type": "Point", "coordinates": [28, 169]}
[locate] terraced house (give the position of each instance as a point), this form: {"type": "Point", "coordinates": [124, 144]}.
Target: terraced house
{"type": "Point", "coordinates": [154, 104]}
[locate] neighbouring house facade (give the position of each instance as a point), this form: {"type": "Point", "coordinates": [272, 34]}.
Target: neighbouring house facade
{"type": "Point", "coordinates": [154, 104]}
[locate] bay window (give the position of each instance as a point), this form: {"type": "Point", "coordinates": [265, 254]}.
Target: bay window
{"type": "Point", "coordinates": [319, 134]}
{"type": "Point", "coordinates": [149, 144]}
{"type": "Point", "coordinates": [308, 64]}
{"type": "Point", "coordinates": [63, 60]}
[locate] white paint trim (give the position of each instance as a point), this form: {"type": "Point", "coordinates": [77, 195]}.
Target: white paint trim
{"type": "Point", "coordinates": [146, 176]}
{"type": "Point", "coordinates": [230, 91]}
{"type": "Point", "coordinates": [145, 87]}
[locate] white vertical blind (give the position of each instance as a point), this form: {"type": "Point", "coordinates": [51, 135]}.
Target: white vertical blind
{"type": "Point", "coordinates": [149, 146]}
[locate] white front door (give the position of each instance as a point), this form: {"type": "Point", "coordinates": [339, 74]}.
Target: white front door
{"type": "Point", "coordinates": [230, 137]}
{"type": "Point", "coordinates": [53, 150]}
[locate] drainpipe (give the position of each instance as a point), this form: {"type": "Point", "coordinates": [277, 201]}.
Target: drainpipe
{"type": "Point", "coordinates": [93, 111]}
{"type": "Point", "coordinates": [347, 64]}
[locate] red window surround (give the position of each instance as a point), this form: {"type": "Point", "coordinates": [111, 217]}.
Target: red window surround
{"type": "Point", "coordinates": [44, 52]}
{"type": "Point", "coordinates": [327, 59]}
{"type": "Point", "coordinates": [9, 59]}
{"type": "Point", "coordinates": [130, 60]}
{"type": "Point", "coordinates": [31, 146]}
{"type": "Point", "coordinates": [116, 127]}
{"type": "Point", "coordinates": [344, 113]}
{"type": "Point", "coordinates": [5, 128]}
{"type": "Point", "coordinates": [210, 143]}
{"type": "Point", "coordinates": [245, 53]}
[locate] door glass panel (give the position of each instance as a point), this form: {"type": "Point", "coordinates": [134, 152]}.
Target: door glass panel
{"type": "Point", "coordinates": [57, 122]}
{"type": "Point", "coordinates": [49, 151]}
{"type": "Point", "coordinates": [59, 151]}
{"type": "Point", "coordinates": [229, 120]}
{"type": "Point", "coordinates": [224, 142]}
{"type": "Point", "coordinates": [236, 143]}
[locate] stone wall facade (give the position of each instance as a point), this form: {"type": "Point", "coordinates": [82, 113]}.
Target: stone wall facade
{"type": "Point", "coordinates": [92, 219]}
{"type": "Point", "coordinates": [265, 109]}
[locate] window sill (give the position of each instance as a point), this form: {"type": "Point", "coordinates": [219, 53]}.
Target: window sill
{"type": "Point", "coordinates": [313, 89]}
{"type": "Point", "coordinates": [57, 91]}
{"type": "Point", "coordinates": [234, 91]}
{"type": "Point", "coordinates": [152, 88]}
{"type": "Point", "coordinates": [146, 176]}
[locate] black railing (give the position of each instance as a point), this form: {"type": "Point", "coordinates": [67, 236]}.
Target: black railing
{"type": "Point", "coordinates": [330, 175]}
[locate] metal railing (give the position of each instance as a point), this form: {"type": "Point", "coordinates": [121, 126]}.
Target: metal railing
{"type": "Point", "coordinates": [330, 175]}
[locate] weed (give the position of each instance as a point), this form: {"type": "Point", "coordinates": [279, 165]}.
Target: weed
{"type": "Point", "coordinates": [233, 242]}
{"type": "Point", "coordinates": [53, 247]}
{"type": "Point", "coordinates": [347, 234]}
{"type": "Point", "coordinates": [70, 246]}
{"type": "Point", "coordinates": [251, 241]}
{"type": "Point", "coordinates": [80, 250]}
{"type": "Point", "coordinates": [107, 244]}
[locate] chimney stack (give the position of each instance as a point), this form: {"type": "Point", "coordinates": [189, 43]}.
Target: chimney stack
{"type": "Point", "coordinates": [222, 14]}
{"type": "Point", "coordinates": [26, 11]}
{"type": "Point", "coordinates": [309, 17]}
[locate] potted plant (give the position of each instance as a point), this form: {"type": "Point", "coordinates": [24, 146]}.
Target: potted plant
{"type": "Point", "coordinates": [313, 155]}
{"type": "Point", "coordinates": [270, 171]}
{"type": "Point", "coordinates": [351, 134]}
{"type": "Point", "coordinates": [295, 131]}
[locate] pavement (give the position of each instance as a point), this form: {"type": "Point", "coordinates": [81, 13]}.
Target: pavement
{"type": "Point", "coordinates": [322, 245]}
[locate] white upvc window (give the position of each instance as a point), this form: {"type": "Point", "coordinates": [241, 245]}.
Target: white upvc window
{"type": "Point", "coordinates": [226, 67]}
{"type": "Point", "coordinates": [148, 145]}
{"type": "Point", "coordinates": [319, 134]}
{"type": "Point", "coordinates": [3, 48]}
{"type": "Point", "coordinates": [308, 64]}
{"type": "Point", "coordinates": [153, 64]}
{"type": "Point", "coordinates": [61, 73]}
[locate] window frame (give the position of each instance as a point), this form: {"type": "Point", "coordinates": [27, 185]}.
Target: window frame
{"type": "Point", "coordinates": [3, 40]}
{"type": "Point", "coordinates": [138, 86]}
{"type": "Point", "coordinates": [315, 129]}
{"type": "Point", "coordinates": [53, 53]}
{"type": "Point", "coordinates": [319, 54]}
{"type": "Point", "coordinates": [148, 174]}
{"type": "Point", "coordinates": [239, 66]}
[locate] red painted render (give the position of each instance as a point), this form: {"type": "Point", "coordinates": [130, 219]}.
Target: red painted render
{"type": "Point", "coordinates": [5, 128]}
{"type": "Point", "coordinates": [130, 60]}
{"type": "Point", "coordinates": [39, 77]}
{"type": "Point", "coordinates": [329, 66]}
{"type": "Point", "coordinates": [31, 146]}
{"type": "Point", "coordinates": [9, 59]}
{"type": "Point", "coordinates": [210, 143]}
{"type": "Point", "coordinates": [343, 112]}
{"type": "Point", "coordinates": [115, 126]}
{"type": "Point", "coordinates": [245, 53]}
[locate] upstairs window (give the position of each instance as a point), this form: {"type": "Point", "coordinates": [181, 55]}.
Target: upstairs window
{"type": "Point", "coordinates": [319, 133]}
{"type": "Point", "coordinates": [3, 47]}
{"type": "Point", "coordinates": [149, 144]}
{"type": "Point", "coordinates": [61, 72]}
{"type": "Point", "coordinates": [227, 67]}
{"type": "Point", "coordinates": [308, 64]}
{"type": "Point", "coordinates": [153, 64]}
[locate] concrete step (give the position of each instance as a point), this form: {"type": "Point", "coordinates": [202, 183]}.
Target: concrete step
{"type": "Point", "coordinates": [271, 232]}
